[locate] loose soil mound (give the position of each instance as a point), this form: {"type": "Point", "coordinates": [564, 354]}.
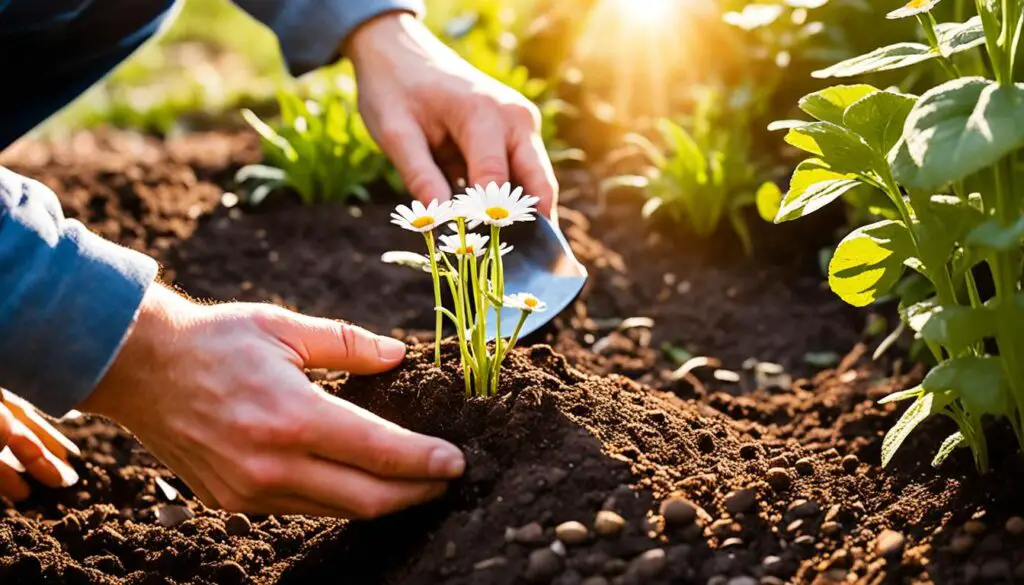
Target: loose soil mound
{"type": "Point", "coordinates": [782, 483]}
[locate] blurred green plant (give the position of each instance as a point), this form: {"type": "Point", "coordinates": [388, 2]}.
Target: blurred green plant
{"type": "Point", "coordinates": [320, 148]}
{"type": "Point", "coordinates": [707, 172]}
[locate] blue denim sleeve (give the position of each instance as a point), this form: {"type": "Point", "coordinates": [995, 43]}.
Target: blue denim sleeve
{"type": "Point", "coordinates": [311, 31]}
{"type": "Point", "coordinates": [67, 298]}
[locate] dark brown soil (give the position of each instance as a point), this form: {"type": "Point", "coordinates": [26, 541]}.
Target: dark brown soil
{"type": "Point", "coordinates": [567, 437]}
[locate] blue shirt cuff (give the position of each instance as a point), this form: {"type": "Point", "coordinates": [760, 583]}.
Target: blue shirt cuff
{"type": "Point", "coordinates": [68, 298]}
{"type": "Point", "coordinates": [311, 32]}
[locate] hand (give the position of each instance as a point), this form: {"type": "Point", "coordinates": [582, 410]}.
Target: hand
{"type": "Point", "coordinates": [218, 394]}
{"type": "Point", "coordinates": [30, 444]}
{"type": "Point", "coordinates": [417, 95]}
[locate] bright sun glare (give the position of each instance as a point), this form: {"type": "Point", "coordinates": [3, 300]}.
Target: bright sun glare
{"type": "Point", "coordinates": [646, 12]}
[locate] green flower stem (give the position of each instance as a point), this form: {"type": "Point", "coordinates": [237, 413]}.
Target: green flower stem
{"type": "Point", "coordinates": [437, 295]}
{"type": "Point", "coordinates": [498, 283]}
{"type": "Point", "coordinates": [457, 286]}
{"type": "Point", "coordinates": [993, 30]}
{"type": "Point", "coordinates": [1010, 38]}
{"type": "Point", "coordinates": [928, 24]}
{"type": "Point", "coordinates": [515, 335]}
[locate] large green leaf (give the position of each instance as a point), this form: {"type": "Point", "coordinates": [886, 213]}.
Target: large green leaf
{"type": "Point", "coordinates": [994, 235]}
{"type": "Point", "coordinates": [768, 200]}
{"type": "Point", "coordinates": [950, 444]}
{"type": "Point", "coordinates": [885, 58]}
{"type": "Point", "coordinates": [956, 37]}
{"type": "Point", "coordinates": [843, 150]}
{"type": "Point", "coordinates": [869, 262]}
{"type": "Point", "coordinates": [978, 382]}
{"type": "Point", "coordinates": [958, 327]}
{"type": "Point", "coordinates": [958, 128]}
{"type": "Point", "coordinates": [829, 104]}
{"type": "Point", "coordinates": [926, 405]}
{"type": "Point", "coordinates": [813, 186]}
{"type": "Point", "coordinates": [879, 117]}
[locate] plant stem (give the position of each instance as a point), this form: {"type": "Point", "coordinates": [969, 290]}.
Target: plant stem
{"type": "Point", "coordinates": [515, 334]}
{"type": "Point", "coordinates": [437, 296]}
{"type": "Point", "coordinates": [498, 282]}
{"type": "Point", "coordinates": [928, 24]}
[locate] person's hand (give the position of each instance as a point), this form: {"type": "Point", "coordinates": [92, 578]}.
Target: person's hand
{"type": "Point", "coordinates": [419, 97]}
{"type": "Point", "coordinates": [218, 394]}
{"type": "Point", "coordinates": [29, 444]}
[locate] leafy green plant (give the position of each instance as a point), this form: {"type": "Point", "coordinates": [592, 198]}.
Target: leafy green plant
{"type": "Point", "coordinates": [707, 172]}
{"type": "Point", "coordinates": [947, 161]}
{"type": "Point", "coordinates": [320, 148]}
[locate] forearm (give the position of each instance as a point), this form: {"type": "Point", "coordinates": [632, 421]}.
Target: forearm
{"type": "Point", "coordinates": [312, 32]}
{"type": "Point", "coordinates": [67, 298]}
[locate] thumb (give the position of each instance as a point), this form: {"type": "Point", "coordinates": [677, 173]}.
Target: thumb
{"type": "Point", "coordinates": [325, 343]}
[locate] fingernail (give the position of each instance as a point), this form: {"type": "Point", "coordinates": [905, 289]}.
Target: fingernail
{"type": "Point", "coordinates": [390, 349]}
{"type": "Point", "coordinates": [447, 461]}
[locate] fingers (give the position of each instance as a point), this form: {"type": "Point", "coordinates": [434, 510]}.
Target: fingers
{"type": "Point", "coordinates": [334, 487]}
{"type": "Point", "coordinates": [324, 343]}
{"type": "Point", "coordinates": [12, 485]}
{"type": "Point", "coordinates": [408, 148]}
{"type": "Point", "coordinates": [532, 167]}
{"type": "Point", "coordinates": [481, 138]}
{"type": "Point", "coordinates": [51, 438]}
{"type": "Point", "coordinates": [347, 434]}
{"type": "Point", "coordinates": [37, 459]}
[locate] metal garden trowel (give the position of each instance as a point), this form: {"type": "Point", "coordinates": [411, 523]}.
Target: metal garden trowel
{"type": "Point", "coordinates": [543, 265]}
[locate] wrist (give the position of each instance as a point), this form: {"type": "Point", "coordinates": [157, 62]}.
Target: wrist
{"type": "Point", "coordinates": [383, 35]}
{"type": "Point", "coordinates": [148, 347]}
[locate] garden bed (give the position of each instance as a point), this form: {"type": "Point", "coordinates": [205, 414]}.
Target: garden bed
{"type": "Point", "coordinates": [781, 484]}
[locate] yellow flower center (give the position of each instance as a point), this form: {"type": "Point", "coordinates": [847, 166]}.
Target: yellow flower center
{"type": "Point", "coordinates": [531, 302]}
{"type": "Point", "coordinates": [422, 221]}
{"type": "Point", "coordinates": [917, 3]}
{"type": "Point", "coordinates": [497, 213]}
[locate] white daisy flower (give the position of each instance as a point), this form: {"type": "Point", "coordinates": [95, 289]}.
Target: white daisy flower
{"type": "Point", "coordinates": [501, 206]}
{"type": "Point", "coordinates": [420, 218]}
{"type": "Point", "coordinates": [476, 244]}
{"type": "Point", "coordinates": [525, 302]}
{"type": "Point", "coordinates": [912, 8]}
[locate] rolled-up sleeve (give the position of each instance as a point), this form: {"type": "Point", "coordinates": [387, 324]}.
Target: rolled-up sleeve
{"type": "Point", "coordinates": [67, 298]}
{"type": "Point", "coordinates": [311, 31]}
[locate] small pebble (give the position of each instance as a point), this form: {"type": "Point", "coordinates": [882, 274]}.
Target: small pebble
{"type": "Point", "coordinates": [532, 533]}
{"type": "Point", "coordinates": [724, 527]}
{"type": "Point", "coordinates": [543, 566]}
{"type": "Point", "coordinates": [678, 511]}
{"type": "Point", "coordinates": [805, 540]}
{"type": "Point", "coordinates": [450, 550]}
{"type": "Point", "coordinates": [779, 461]}
{"type": "Point", "coordinates": [830, 528]}
{"type": "Point", "coordinates": [558, 547]}
{"type": "Point", "coordinates": [571, 533]}
{"type": "Point", "coordinates": [771, 580]}
{"type": "Point", "coordinates": [230, 573]}
{"type": "Point", "coordinates": [743, 580]}
{"type": "Point", "coordinates": [805, 466]}
{"type": "Point", "coordinates": [833, 513]}
{"type": "Point", "coordinates": [596, 580]}
{"type": "Point", "coordinates": [491, 563]}
{"type": "Point", "coordinates": [1015, 525]}
{"type": "Point", "coordinates": [794, 526]}
{"type": "Point", "coordinates": [740, 501]}
{"type": "Point", "coordinates": [706, 442]}
{"type": "Point", "coordinates": [718, 580]}
{"type": "Point", "coordinates": [890, 544]}
{"type": "Point", "coordinates": [749, 451]}
{"type": "Point", "coordinates": [649, 564]}
{"type": "Point", "coordinates": [995, 569]}
{"type": "Point", "coordinates": [238, 525]}
{"type": "Point", "coordinates": [778, 478]}
{"type": "Point", "coordinates": [974, 527]}
{"type": "Point", "coordinates": [772, 564]}
{"type": "Point", "coordinates": [805, 508]}
{"type": "Point", "coordinates": [731, 542]}
{"type": "Point", "coordinates": [615, 567]}
{"type": "Point", "coordinates": [608, 523]}
{"type": "Point", "coordinates": [850, 463]}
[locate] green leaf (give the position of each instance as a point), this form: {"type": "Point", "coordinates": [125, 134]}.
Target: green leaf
{"type": "Point", "coordinates": [950, 444]}
{"type": "Point", "coordinates": [879, 117]}
{"type": "Point", "coordinates": [869, 262]}
{"type": "Point", "coordinates": [992, 234]}
{"type": "Point", "coordinates": [926, 405]}
{"type": "Point", "coordinates": [786, 125]}
{"type": "Point", "coordinates": [623, 182]}
{"type": "Point", "coordinates": [957, 37]}
{"type": "Point", "coordinates": [978, 382]}
{"type": "Point", "coordinates": [799, 203]}
{"type": "Point", "coordinates": [917, 315]}
{"type": "Point", "coordinates": [841, 149]}
{"type": "Point", "coordinates": [407, 259]}
{"type": "Point", "coordinates": [886, 58]}
{"type": "Point", "coordinates": [769, 200]}
{"type": "Point", "coordinates": [958, 327]}
{"type": "Point", "coordinates": [958, 128]}
{"type": "Point", "coordinates": [259, 173]}
{"type": "Point", "coordinates": [907, 394]}
{"type": "Point", "coordinates": [829, 104]}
